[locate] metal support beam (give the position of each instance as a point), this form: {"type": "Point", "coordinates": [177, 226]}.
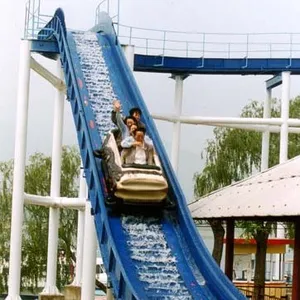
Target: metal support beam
{"type": "Point", "coordinates": [58, 83]}
{"type": "Point", "coordinates": [80, 233]}
{"type": "Point", "coordinates": [274, 82]}
{"type": "Point", "coordinates": [285, 102]}
{"type": "Point", "coordinates": [55, 202]}
{"type": "Point", "coordinates": [129, 54]}
{"type": "Point", "coordinates": [283, 151]}
{"type": "Point", "coordinates": [266, 134]}
{"type": "Point", "coordinates": [19, 173]}
{"type": "Point", "coordinates": [89, 255]}
{"type": "Point", "coordinates": [50, 287]}
{"type": "Point", "coordinates": [226, 123]}
{"type": "Point", "coordinates": [177, 126]}
{"type": "Point", "coordinates": [224, 120]}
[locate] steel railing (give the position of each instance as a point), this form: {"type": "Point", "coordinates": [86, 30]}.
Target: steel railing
{"type": "Point", "coordinates": [221, 45]}
{"type": "Point", "coordinates": [183, 43]}
{"type": "Point", "coordinates": [34, 20]}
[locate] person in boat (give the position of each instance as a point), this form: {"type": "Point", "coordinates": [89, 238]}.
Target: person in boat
{"type": "Point", "coordinates": [137, 151]}
{"type": "Point", "coordinates": [116, 106]}
{"type": "Point", "coordinates": [137, 113]}
{"type": "Point", "coordinates": [123, 125]}
{"type": "Point", "coordinates": [134, 112]}
{"type": "Point", "coordinates": [129, 124]}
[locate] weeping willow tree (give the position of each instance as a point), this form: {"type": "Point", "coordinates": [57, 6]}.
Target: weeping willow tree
{"type": "Point", "coordinates": [35, 226]}
{"type": "Point", "coordinates": [232, 155]}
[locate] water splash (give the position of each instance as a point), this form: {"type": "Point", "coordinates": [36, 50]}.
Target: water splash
{"type": "Point", "coordinates": [97, 80]}
{"type": "Point", "coordinates": [155, 263]}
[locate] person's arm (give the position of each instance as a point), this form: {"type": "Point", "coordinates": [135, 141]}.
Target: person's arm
{"type": "Point", "coordinates": [127, 142]}
{"type": "Point", "coordinates": [117, 118]}
{"type": "Point", "coordinates": [113, 117]}
{"type": "Point", "coordinates": [123, 128]}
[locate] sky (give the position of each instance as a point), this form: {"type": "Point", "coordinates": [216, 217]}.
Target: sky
{"type": "Point", "coordinates": [203, 95]}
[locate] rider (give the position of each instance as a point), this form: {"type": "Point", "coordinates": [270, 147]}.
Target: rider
{"type": "Point", "coordinates": [136, 113]}
{"type": "Point", "coordinates": [139, 151]}
{"type": "Point", "coordinates": [131, 123]}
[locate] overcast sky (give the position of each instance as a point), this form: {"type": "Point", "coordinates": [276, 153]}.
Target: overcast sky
{"type": "Point", "coordinates": [203, 95]}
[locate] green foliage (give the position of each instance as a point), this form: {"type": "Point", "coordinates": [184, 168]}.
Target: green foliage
{"type": "Point", "coordinates": [35, 228]}
{"type": "Point", "coordinates": [234, 154]}
{"type": "Point", "coordinates": [6, 170]}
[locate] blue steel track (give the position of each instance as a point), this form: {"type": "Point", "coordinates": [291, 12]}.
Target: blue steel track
{"type": "Point", "coordinates": [196, 274]}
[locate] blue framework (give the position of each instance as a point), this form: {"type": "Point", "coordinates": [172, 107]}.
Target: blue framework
{"type": "Point", "coordinates": [215, 66]}
{"type": "Point", "coordinates": [224, 66]}
{"type": "Point", "coordinates": [178, 227]}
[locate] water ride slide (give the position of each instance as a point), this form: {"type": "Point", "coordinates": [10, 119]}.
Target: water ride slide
{"type": "Point", "coordinates": [159, 256]}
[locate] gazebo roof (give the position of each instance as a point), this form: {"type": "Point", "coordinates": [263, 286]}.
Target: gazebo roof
{"type": "Point", "coordinates": [274, 193]}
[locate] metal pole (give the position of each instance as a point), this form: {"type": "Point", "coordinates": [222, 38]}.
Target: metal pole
{"type": "Point", "coordinates": [19, 171]}
{"type": "Point", "coordinates": [50, 287]}
{"type": "Point", "coordinates": [177, 126]}
{"type": "Point", "coordinates": [283, 154]}
{"type": "Point", "coordinates": [266, 134]}
{"type": "Point", "coordinates": [80, 233]}
{"type": "Point", "coordinates": [89, 255]}
{"type": "Point", "coordinates": [129, 54]}
{"type": "Point", "coordinates": [285, 101]}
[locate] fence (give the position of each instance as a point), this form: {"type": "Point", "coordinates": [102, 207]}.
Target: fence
{"type": "Point", "coordinates": [34, 20]}
{"type": "Point", "coordinates": [210, 45]}
{"type": "Point", "coordinates": [273, 291]}
{"type": "Point", "coordinates": [182, 43]}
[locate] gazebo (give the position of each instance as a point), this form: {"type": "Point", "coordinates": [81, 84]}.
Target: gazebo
{"type": "Point", "coordinates": [271, 195]}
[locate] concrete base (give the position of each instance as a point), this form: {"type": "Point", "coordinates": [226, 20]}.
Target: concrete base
{"type": "Point", "coordinates": [51, 297]}
{"type": "Point", "coordinates": [72, 292]}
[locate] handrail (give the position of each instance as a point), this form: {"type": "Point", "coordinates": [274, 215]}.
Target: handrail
{"type": "Point", "coordinates": [210, 33]}
{"type": "Point", "coordinates": [153, 41]}
{"type": "Point", "coordinates": [204, 45]}
{"type": "Point", "coordinates": [34, 20]}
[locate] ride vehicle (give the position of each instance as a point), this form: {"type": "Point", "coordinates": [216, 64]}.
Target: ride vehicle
{"type": "Point", "coordinates": [133, 183]}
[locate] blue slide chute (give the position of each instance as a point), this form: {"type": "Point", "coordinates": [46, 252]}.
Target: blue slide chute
{"type": "Point", "coordinates": [146, 257]}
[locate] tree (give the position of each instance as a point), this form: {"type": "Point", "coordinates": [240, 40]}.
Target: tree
{"type": "Point", "coordinates": [35, 227]}
{"type": "Point", "coordinates": [6, 170]}
{"type": "Point", "coordinates": [234, 154]}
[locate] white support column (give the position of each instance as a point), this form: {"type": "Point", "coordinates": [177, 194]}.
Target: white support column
{"type": "Point", "coordinates": [89, 255]}
{"type": "Point", "coordinates": [283, 154]}
{"type": "Point", "coordinates": [50, 287]}
{"type": "Point", "coordinates": [177, 126]}
{"type": "Point", "coordinates": [80, 233]}
{"type": "Point", "coordinates": [19, 171]}
{"type": "Point", "coordinates": [265, 147]}
{"type": "Point", "coordinates": [285, 102]}
{"type": "Point", "coordinates": [129, 54]}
